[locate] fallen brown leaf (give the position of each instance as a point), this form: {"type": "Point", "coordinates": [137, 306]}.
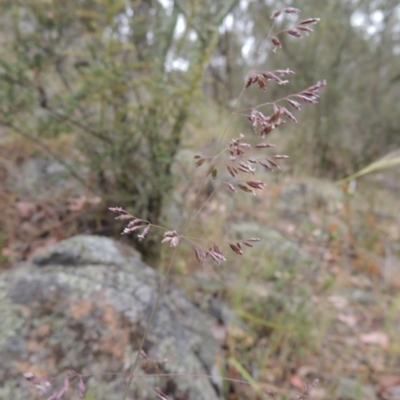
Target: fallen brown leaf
{"type": "Point", "coordinates": [378, 338]}
{"type": "Point", "coordinates": [349, 320]}
{"type": "Point", "coordinates": [25, 209]}
{"type": "Point", "coordinates": [297, 382]}
{"type": "Point", "coordinates": [388, 381]}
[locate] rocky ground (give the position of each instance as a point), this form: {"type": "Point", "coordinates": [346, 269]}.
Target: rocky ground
{"type": "Point", "coordinates": [317, 299]}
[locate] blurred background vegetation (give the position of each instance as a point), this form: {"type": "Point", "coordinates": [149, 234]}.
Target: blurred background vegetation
{"type": "Point", "coordinates": [121, 79]}
{"type": "Point", "coordinates": [104, 103]}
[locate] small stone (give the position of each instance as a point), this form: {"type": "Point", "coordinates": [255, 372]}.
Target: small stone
{"type": "Point", "coordinates": [350, 389]}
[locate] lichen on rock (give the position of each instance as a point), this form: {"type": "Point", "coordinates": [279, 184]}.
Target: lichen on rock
{"type": "Point", "coordinates": [83, 305]}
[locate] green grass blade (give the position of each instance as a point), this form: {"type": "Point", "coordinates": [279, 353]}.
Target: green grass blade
{"type": "Point", "coordinates": [391, 160]}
